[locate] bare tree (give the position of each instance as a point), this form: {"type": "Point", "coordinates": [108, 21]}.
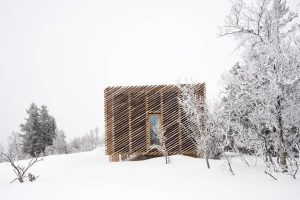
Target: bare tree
{"type": "Point", "coordinates": [221, 119]}
{"type": "Point", "coordinates": [1, 150]}
{"type": "Point", "coordinates": [20, 170]}
{"type": "Point", "coordinates": [197, 126]}
{"type": "Point", "coordinates": [161, 141]}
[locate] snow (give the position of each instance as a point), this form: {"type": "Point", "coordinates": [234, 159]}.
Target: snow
{"type": "Point", "coordinates": [89, 175]}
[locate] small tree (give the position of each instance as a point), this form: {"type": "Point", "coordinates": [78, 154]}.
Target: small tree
{"type": "Point", "coordinates": [15, 146]}
{"type": "Point", "coordinates": [197, 125]}
{"type": "Point", "coordinates": [161, 141]}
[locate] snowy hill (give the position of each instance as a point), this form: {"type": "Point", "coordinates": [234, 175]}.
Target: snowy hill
{"type": "Point", "coordinates": [89, 175]}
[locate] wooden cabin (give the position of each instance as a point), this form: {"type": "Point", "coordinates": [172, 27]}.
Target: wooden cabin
{"type": "Point", "coordinates": [130, 113]}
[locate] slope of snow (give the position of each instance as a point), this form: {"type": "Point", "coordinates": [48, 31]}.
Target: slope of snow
{"type": "Point", "coordinates": [89, 175]}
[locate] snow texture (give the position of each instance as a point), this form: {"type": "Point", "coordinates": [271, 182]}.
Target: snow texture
{"type": "Point", "coordinates": [89, 175]}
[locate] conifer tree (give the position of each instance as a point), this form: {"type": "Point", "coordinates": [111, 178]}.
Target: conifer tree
{"type": "Point", "coordinates": [39, 130]}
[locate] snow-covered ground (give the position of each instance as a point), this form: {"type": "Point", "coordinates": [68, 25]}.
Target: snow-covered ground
{"type": "Point", "coordinates": [89, 175]}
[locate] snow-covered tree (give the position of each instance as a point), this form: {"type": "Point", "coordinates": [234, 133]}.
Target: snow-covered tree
{"type": "Point", "coordinates": [15, 146]}
{"type": "Point", "coordinates": [47, 127]}
{"type": "Point", "coordinates": [161, 141]}
{"type": "Point", "coordinates": [39, 130]}
{"type": "Point", "coordinates": [87, 142]}
{"type": "Point", "coordinates": [197, 125]}
{"type": "Point", "coordinates": [221, 133]}
{"type": "Point", "coordinates": [75, 145]}
{"type": "Point", "coordinates": [93, 139]}
{"type": "Point", "coordinates": [263, 89]}
{"type": "Point", "coordinates": [59, 145]}
{"type": "Point", "coordinates": [31, 129]}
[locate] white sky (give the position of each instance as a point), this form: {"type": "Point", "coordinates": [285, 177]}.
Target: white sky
{"type": "Point", "coordinates": [63, 53]}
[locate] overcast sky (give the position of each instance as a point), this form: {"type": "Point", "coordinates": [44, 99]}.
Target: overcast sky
{"type": "Point", "coordinates": [63, 53]}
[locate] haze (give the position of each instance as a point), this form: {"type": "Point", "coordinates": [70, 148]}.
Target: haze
{"type": "Point", "coordinates": [63, 53]}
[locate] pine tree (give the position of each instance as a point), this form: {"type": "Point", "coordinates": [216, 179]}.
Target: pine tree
{"type": "Point", "coordinates": [47, 127]}
{"type": "Point", "coordinates": [39, 130]}
{"type": "Point", "coordinates": [31, 129]}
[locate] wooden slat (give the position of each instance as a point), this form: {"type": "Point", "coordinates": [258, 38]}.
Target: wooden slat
{"type": "Point", "coordinates": [126, 119]}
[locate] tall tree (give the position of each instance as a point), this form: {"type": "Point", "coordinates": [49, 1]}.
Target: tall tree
{"type": "Point", "coordinates": [265, 86]}
{"type": "Point", "coordinates": [47, 127]}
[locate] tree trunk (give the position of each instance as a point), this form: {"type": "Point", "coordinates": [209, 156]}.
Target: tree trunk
{"type": "Point", "coordinates": [281, 152]}
{"type": "Point", "coordinates": [207, 161]}
{"type": "Point", "coordinates": [266, 149]}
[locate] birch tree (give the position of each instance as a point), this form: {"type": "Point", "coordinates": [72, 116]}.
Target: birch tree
{"type": "Point", "coordinates": [265, 85]}
{"type": "Point", "coordinates": [197, 125]}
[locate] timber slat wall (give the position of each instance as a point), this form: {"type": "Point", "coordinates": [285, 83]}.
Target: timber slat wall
{"type": "Point", "coordinates": [126, 119]}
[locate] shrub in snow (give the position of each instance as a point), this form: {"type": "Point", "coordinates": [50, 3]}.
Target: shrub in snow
{"type": "Point", "coordinates": [20, 170]}
{"type": "Point", "coordinates": [32, 177]}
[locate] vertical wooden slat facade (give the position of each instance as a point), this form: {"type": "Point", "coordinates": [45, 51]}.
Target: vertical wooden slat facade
{"type": "Point", "coordinates": [126, 119]}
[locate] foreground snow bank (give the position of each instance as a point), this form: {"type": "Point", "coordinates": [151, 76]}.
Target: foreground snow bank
{"type": "Point", "coordinates": [90, 175]}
